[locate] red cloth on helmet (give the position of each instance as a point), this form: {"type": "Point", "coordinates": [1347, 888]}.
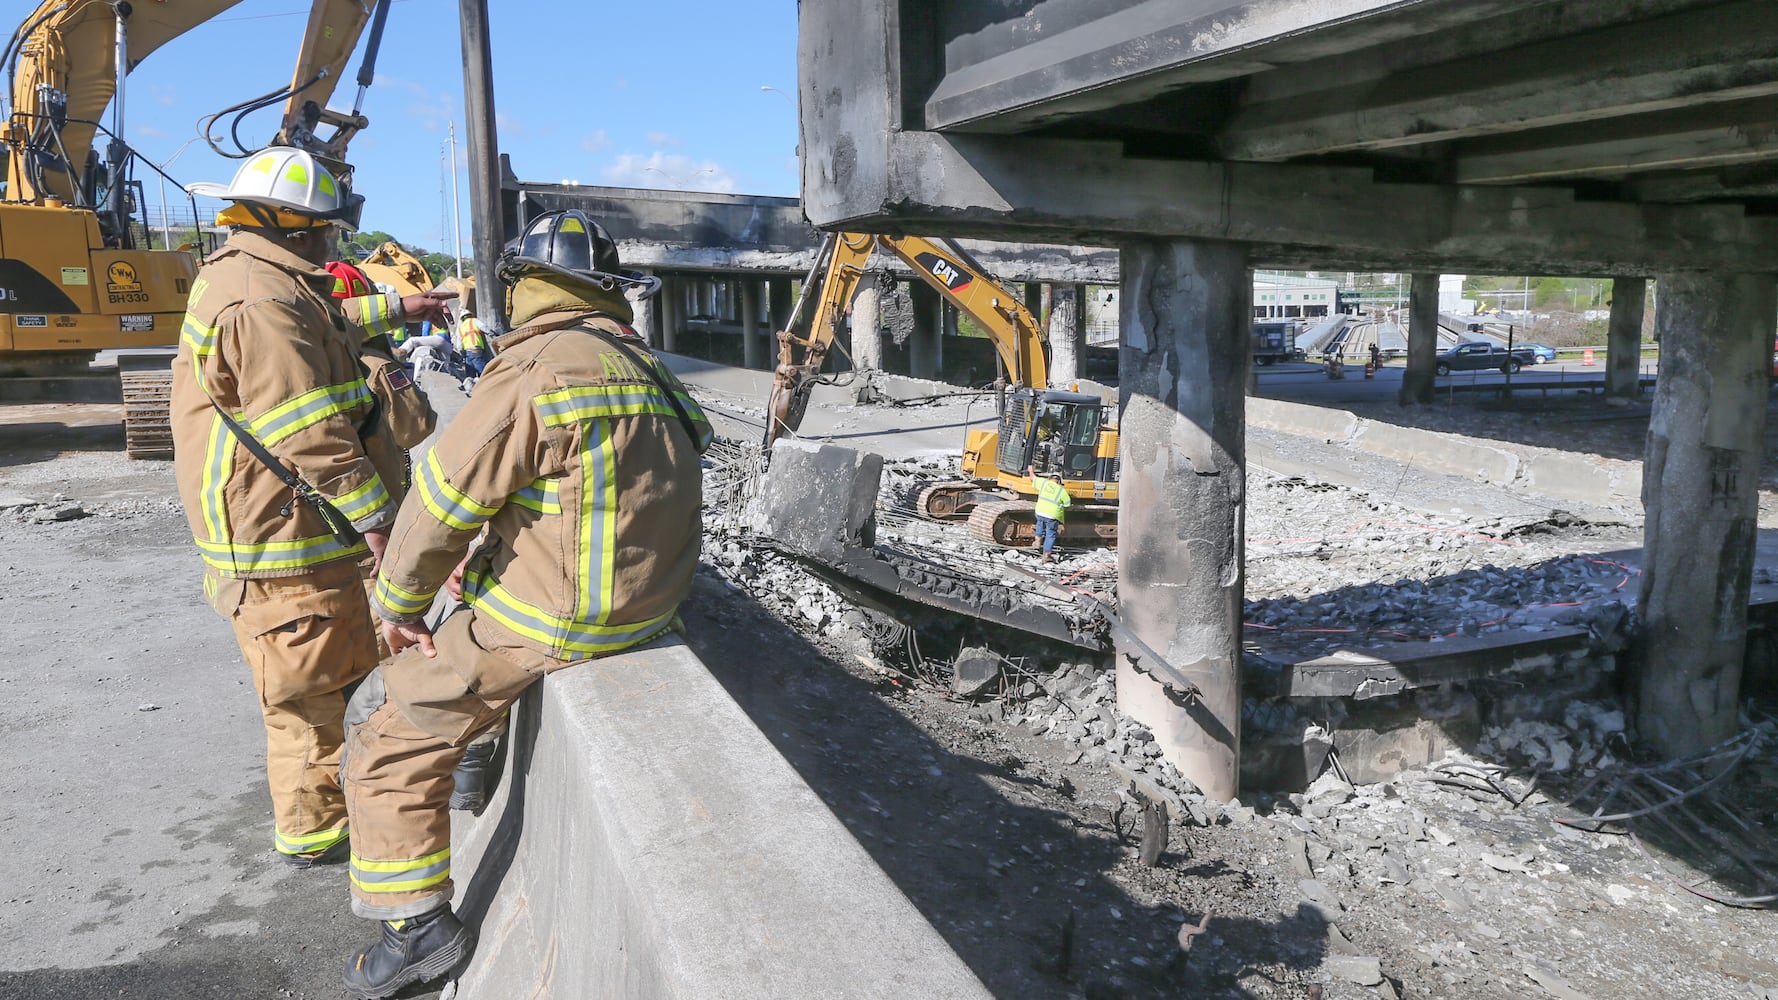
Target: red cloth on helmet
{"type": "Point", "coordinates": [348, 281]}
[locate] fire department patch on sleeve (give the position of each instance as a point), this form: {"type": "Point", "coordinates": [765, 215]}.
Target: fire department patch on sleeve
{"type": "Point", "coordinates": [398, 378]}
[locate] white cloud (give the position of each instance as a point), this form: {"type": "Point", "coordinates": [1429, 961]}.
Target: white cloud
{"type": "Point", "coordinates": [662, 139]}
{"type": "Point", "coordinates": [670, 170]}
{"type": "Point", "coordinates": [150, 132]}
{"type": "Point", "coordinates": [595, 142]}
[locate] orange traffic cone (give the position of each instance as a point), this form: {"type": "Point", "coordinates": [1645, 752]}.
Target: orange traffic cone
{"type": "Point", "coordinates": [1586, 356]}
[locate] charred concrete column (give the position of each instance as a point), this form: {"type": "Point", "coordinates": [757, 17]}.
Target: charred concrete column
{"type": "Point", "coordinates": [753, 340]}
{"type": "Point", "coordinates": [1699, 494]}
{"type": "Point", "coordinates": [779, 302]}
{"type": "Point", "coordinates": [672, 312]}
{"type": "Point", "coordinates": [642, 315]}
{"type": "Point", "coordinates": [1416, 380]}
{"type": "Point", "coordinates": [1182, 366]}
{"type": "Point", "coordinates": [925, 348]}
{"type": "Point", "coordinates": [867, 324]}
{"type": "Point", "coordinates": [1623, 346]}
{"type": "Point", "coordinates": [1066, 329]}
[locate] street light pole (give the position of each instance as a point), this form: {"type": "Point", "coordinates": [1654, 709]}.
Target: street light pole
{"type": "Point", "coordinates": [160, 171]}
{"type": "Point", "coordinates": [456, 211]}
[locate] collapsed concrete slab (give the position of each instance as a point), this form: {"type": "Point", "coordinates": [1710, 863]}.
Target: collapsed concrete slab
{"type": "Point", "coordinates": [818, 502]}
{"type": "Point", "coordinates": [648, 841]}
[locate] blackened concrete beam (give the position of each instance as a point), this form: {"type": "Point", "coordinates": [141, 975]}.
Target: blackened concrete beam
{"type": "Point", "coordinates": [1701, 502]}
{"type": "Point", "coordinates": [1185, 312]}
{"type": "Point", "coordinates": [1089, 192]}
{"type": "Point", "coordinates": [1550, 78]}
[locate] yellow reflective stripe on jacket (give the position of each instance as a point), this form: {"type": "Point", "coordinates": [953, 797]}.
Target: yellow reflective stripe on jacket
{"type": "Point", "coordinates": [543, 496]}
{"type": "Point", "coordinates": [580, 403]}
{"type": "Point", "coordinates": [219, 464]}
{"type": "Point", "coordinates": [565, 638]}
{"type": "Point", "coordinates": [453, 507]}
{"type": "Point", "coordinates": [364, 501]}
{"type": "Point", "coordinates": [400, 876]}
{"type": "Point", "coordinates": [307, 410]}
{"type": "Point", "coordinates": [598, 522]}
{"type": "Point", "coordinates": [294, 554]}
{"type": "Point", "coordinates": [308, 843]}
{"type": "Point", "coordinates": [375, 316]}
{"type": "Point", "coordinates": [399, 601]}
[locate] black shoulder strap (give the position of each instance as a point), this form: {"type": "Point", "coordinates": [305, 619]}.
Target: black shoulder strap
{"type": "Point", "coordinates": [337, 525]}
{"type": "Point", "coordinates": [691, 429]}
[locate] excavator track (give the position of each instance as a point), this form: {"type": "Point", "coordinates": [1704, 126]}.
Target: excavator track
{"type": "Point", "coordinates": [1013, 524]}
{"type": "Point", "coordinates": [955, 500]}
{"type": "Point", "coordinates": [147, 412]}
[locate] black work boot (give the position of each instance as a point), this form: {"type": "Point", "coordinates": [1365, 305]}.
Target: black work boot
{"type": "Point", "coordinates": [469, 782]}
{"type": "Point", "coordinates": [418, 949]}
{"type": "Point", "coordinates": [331, 856]}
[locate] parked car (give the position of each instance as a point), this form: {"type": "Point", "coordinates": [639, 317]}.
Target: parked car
{"type": "Point", "coordinates": [1477, 356]}
{"type": "Point", "coordinates": [1541, 353]}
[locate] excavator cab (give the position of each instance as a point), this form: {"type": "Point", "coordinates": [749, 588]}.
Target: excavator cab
{"type": "Point", "coordinates": [1052, 431]}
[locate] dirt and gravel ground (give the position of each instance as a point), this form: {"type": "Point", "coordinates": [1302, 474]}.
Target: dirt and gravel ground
{"type": "Point", "coordinates": [136, 851]}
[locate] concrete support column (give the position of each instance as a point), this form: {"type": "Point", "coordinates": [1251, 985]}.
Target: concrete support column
{"type": "Point", "coordinates": [1416, 380]}
{"type": "Point", "coordinates": [779, 302]}
{"type": "Point", "coordinates": [1700, 498]}
{"type": "Point", "coordinates": [925, 348]}
{"type": "Point", "coordinates": [1067, 327]}
{"type": "Point", "coordinates": [643, 318]}
{"type": "Point", "coordinates": [1182, 367]}
{"type": "Point", "coordinates": [672, 312]}
{"type": "Point", "coordinates": [1623, 346]}
{"type": "Point", "coordinates": [867, 324]}
{"type": "Point", "coordinates": [753, 339]}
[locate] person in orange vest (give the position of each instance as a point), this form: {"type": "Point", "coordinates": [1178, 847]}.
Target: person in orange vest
{"type": "Point", "coordinates": [1053, 502]}
{"type": "Point", "coordinates": [472, 342]}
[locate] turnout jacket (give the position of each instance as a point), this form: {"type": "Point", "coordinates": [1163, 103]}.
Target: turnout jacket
{"type": "Point", "coordinates": [265, 340]}
{"type": "Point", "coordinates": [587, 482]}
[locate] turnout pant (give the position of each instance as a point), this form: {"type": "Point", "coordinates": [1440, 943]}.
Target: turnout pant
{"type": "Point", "coordinates": [306, 638]}
{"type": "Point", "coordinates": [399, 758]}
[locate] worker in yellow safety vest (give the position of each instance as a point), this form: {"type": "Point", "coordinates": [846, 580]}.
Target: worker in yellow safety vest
{"type": "Point", "coordinates": [1052, 509]}
{"type": "Point", "coordinates": [472, 342]}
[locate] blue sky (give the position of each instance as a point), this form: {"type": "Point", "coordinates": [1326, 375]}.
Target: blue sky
{"type": "Point", "coordinates": [664, 94]}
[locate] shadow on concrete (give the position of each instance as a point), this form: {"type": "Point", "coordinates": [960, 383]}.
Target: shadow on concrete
{"type": "Point", "coordinates": [39, 441]}
{"type": "Point", "coordinates": [294, 943]}
{"type": "Point", "coordinates": [993, 849]}
{"type": "Point", "coordinates": [1579, 422]}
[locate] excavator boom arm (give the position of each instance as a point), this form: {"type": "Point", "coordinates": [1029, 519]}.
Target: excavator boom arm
{"type": "Point", "coordinates": [63, 65]}
{"type": "Point", "coordinates": [956, 276]}
{"type": "Point", "coordinates": [948, 269]}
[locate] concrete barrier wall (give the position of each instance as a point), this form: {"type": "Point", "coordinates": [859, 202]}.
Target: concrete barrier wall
{"type": "Point", "coordinates": [1546, 471]}
{"type": "Point", "coordinates": [647, 841]}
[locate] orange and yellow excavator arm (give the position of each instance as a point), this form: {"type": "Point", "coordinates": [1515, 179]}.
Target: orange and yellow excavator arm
{"type": "Point", "coordinates": [63, 61]}
{"type": "Point", "coordinates": [391, 265]}
{"type": "Point", "coordinates": [947, 267]}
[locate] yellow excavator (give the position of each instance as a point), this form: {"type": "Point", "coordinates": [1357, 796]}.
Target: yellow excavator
{"type": "Point", "coordinates": [1040, 429]}
{"type": "Point", "coordinates": [76, 272]}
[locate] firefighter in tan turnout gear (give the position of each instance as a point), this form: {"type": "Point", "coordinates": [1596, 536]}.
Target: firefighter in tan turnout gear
{"type": "Point", "coordinates": [578, 453]}
{"type": "Point", "coordinates": [289, 476]}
